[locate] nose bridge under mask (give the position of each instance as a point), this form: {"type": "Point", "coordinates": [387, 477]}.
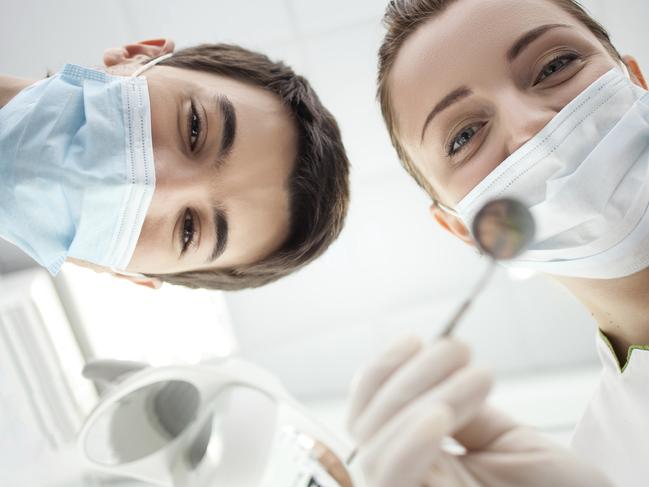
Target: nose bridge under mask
{"type": "Point", "coordinates": [521, 117]}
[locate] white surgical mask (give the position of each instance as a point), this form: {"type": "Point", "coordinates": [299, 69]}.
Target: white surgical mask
{"type": "Point", "coordinates": [76, 167]}
{"type": "Point", "coordinates": [585, 179]}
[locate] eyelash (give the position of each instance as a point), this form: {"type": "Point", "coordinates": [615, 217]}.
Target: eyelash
{"type": "Point", "coordinates": [569, 58]}
{"type": "Point", "coordinates": [452, 150]}
{"type": "Point", "coordinates": [187, 231]}
{"type": "Point", "coordinates": [194, 131]}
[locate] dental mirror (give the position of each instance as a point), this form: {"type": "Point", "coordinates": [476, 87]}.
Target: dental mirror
{"type": "Point", "coordinates": [502, 229]}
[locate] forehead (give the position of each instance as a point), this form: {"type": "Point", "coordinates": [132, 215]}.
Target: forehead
{"type": "Point", "coordinates": [464, 45]}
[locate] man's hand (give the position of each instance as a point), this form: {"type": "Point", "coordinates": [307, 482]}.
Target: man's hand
{"type": "Point", "coordinates": [413, 397]}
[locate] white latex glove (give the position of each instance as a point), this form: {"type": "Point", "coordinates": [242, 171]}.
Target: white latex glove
{"type": "Point", "coordinates": [411, 398]}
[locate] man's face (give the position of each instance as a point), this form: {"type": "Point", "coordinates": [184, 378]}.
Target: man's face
{"type": "Point", "coordinates": [224, 151]}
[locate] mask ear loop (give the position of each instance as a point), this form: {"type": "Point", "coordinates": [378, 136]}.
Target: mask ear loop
{"type": "Point", "coordinates": [446, 209]}
{"type": "Point", "coordinates": [625, 70]}
{"type": "Point", "coordinates": [151, 63]}
{"type": "Point", "coordinates": [637, 74]}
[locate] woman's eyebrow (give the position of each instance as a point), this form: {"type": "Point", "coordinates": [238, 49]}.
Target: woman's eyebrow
{"type": "Point", "coordinates": [517, 48]}
{"type": "Point", "coordinates": [453, 97]}
{"type": "Point", "coordinates": [526, 39]}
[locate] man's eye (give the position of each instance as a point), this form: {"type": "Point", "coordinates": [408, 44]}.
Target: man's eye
{"type": "Point", "coordinates": [554, 66]}
{"type": "Point", "coordinates": [188, 230]}
{"type": "Point", "coordinates": [463, 138]}
{"type": "Point", "coordinates": [194, 127]}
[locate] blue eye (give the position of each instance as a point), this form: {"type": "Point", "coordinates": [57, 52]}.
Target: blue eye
{"type": "Point", "coordinates": [554, 66]}
{"type": "Point", "coordinates": [462, 138]}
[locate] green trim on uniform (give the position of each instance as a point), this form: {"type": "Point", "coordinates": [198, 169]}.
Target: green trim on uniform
{"type": "Point", "coordinates": [628, 353]}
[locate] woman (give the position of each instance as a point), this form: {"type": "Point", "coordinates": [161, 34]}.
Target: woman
{"type": "Point", "coordinates": [211, 167]}
{"type": "Point", "coordinates": [530, 99]}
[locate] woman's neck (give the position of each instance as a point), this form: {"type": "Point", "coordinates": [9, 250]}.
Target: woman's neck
{"type": "Point", "coordinates": [620, 307]}
{"type": "Point", "coordinates": [10, 87]}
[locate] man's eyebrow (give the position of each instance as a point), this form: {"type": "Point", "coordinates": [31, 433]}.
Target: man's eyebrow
{"type": "Point", "coordinates": [220, 233]}
{"type": "Point", "coordinates": [446, 102]}
{"type": "Point", "coordinates": [526, 39]}
{"type": "Point", "coordinates": [229, 132]}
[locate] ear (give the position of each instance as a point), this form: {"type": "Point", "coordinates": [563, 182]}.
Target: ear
{"type": "Point", "coordinates": [150, 282]}
{"type": "Point", "coordinates": [635, 70]}
{"type": "Point", "coordinates": [133, 52]}
{"type": "Point", "coordinates": [451, 224]}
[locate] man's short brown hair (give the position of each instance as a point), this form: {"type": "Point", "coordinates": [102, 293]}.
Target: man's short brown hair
{"type": "Point", "coordinates": [319, 182]}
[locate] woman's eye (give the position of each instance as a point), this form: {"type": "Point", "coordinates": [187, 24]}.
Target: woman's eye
{"type": "Point", "coordinates": [188, 230]}
{"type": "Point", "coordinates": [554, 66]}
{"type": "Point", "coordinates": [463, 138]}
{"type": "Point", "coordinates": [194, 128]}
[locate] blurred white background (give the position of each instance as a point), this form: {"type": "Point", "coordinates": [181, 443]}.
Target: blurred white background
{"type": "Point", "coordinates": [391, 272]}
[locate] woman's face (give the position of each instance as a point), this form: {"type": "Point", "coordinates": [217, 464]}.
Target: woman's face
{"type": "Point", "coordinates": [474, 84]}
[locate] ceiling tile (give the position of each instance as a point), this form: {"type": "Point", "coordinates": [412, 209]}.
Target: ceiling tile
{"type": "Point", "coordinates": [252, 23]}
{"type": "Point", "coordinates": [315, 16]}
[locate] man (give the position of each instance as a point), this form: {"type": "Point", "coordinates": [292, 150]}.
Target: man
{"type": "Point", "coordinates": [239, 175]}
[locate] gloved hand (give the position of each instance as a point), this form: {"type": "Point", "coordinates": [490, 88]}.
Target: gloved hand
{"type": "Point", "coordinates": [407, 403]}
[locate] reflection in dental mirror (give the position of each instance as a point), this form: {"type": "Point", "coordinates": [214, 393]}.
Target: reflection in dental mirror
{"type": "Point", "coordinates": [503, 228]}
{"type": "Point", "coordinates": [142, 423]}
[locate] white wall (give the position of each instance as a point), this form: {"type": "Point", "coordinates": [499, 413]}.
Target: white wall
{"type": "Point", "coordinates": [392, 270]}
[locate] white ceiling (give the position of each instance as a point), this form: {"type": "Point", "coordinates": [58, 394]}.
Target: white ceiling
{"type": "Point", "coordinates": [392, 270]}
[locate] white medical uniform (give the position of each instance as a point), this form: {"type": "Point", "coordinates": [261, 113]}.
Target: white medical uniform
{"type": "Point", "coordinates": [613, 434]}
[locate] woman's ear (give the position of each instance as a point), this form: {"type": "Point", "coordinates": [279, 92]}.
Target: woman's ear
{"type": "Point", "coordinates": [635, 70]}
{"type": "Point", "coordinates": [134, 52]}
{"type": "Point", "coordinates": [451, 224]}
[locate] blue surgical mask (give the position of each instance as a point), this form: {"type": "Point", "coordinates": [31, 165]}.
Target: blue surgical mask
{"type": "Point", "coordinates": [77, 174]}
